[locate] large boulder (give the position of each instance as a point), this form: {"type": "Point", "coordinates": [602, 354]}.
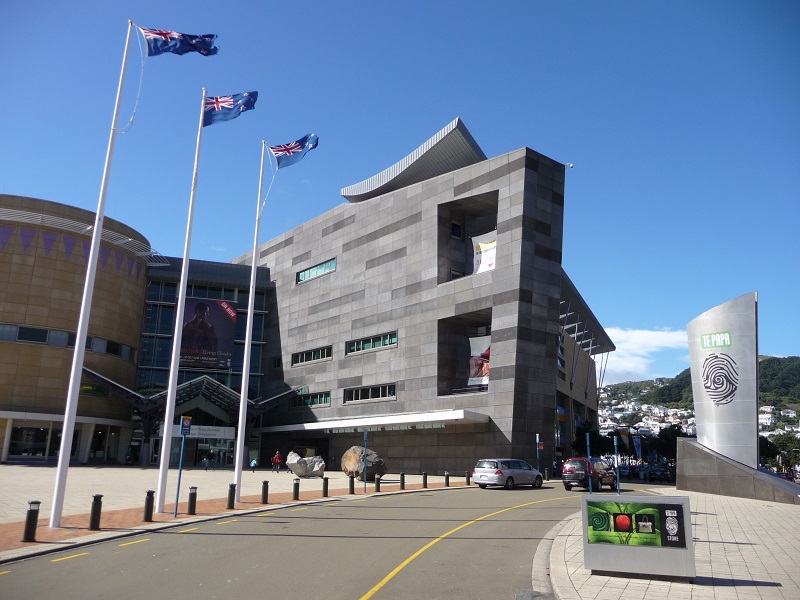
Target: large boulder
{"type": "Point", "coordinates": [353, 463]}
{"type": "Point", "coordinates": [313, 466]}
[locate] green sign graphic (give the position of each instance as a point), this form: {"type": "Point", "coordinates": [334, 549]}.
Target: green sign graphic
{"type": "Point", "coordinates": [715, 340]}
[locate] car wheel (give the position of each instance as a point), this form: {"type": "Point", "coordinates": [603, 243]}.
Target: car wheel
{"type": "Point", "coordinates": [482, 486]}
{"type": "Point", "coordinates": [537, 483]}
{"type": "Point", "coordinates": [510, 483]}
{"type": "Point", "coordinates": [599, 485]}
{"type": "Point", "coordinates": [567, 487]}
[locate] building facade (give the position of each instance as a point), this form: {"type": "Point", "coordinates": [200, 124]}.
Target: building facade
{"type": "Point", "coordinates": [432, 312]}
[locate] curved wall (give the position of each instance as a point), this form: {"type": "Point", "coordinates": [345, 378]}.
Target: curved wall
{"type": "Point", "coordinates": [44, 248]}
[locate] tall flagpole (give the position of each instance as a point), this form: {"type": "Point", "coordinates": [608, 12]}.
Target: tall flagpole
{"type": "Point", "coordinates": [248, 337]}
{"type": "Point", "coordinates": [73, 393]}
{"type": "Point", "coordinates": [169, 412]}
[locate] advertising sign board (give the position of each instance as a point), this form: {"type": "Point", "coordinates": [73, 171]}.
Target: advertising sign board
{"type": "Point", "coordinates": [723, 357]}
{"type": "Point", "coordinates": [638, 534]}
{"type": "Point", "coordinates": [208, 333]}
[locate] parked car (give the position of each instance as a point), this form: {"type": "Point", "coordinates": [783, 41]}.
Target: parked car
{"type": "Point", "coordinates": [659, 473]}
{"type": "Point", "coordinates": [507, 472]}
{"type": "Point", "coordinates": [625, 471]}
{"type": "Point", "coordinates": [576, 474]}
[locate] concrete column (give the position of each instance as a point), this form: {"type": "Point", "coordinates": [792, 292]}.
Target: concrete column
{"type": "Point", "coordinates": [87, 432]}
{"type": "Point", "coordinates": [7, 441]}
{"type": "Point", "coordinates": [125, 437]}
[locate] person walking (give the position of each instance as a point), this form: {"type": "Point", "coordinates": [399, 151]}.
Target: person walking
{"type": "Point", "coordinates": [253, 465]}
{"type": "Point", "coordinates": [276, 462]}
{"type": "Point", "coordinates": [211, 458]}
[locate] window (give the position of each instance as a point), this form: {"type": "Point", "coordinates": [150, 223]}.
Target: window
{"type": "Point", "coordinates": [371, 343]}
{"type": "Point", "coordinates": [277, 363]}
{"type": "Point", "coordinates": [316, 271]}
{"type": "Point", "coordinates": [299, 358]}
{"type": "Point", "coordinates": [321, 399]}
{"type": "Point", "coordinates": [454, 274]}
{"type": "Point", "coordinates": [456, 230]}
{"type": "Point", "coordinates": [32, 334]}
{"type": "Point", "coordinates": [376, 392]}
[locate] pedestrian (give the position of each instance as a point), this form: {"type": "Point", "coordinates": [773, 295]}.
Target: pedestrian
{"type": "Point", "coordinates": [253, 465]}
{"type": "Point", "coordinates": [211, 460]}
{"type": "Point", "coordinates": [205, 462]}
{"type": "Point", "coordinates": [276, 462]}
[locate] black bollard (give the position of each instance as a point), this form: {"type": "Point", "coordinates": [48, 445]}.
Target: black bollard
{"type": "Point", "coordinates": [231, 495]}
{"type": "Point", "coordinates": [352, 485]}
{"type": "Point", "coordinates": [467, 475]}
{"type": "Point", "coordinates": [264, 491]}
{"type": "Point", "coordinates": [424, 479]}
{"type": "Point", "coordinates": [446, 479]}
{"type": "Point", "coordinates": [402, 481]}
{"type": "Point", "coordinates": [94, 516]}
{"type": "Point", "coordinates": [192, 510]}
{"type": "Point", "coordinates": [377, 482]}
{"type": "Point", "coordinates": [31, 520]}
{"type": "Point", "coordinates": [546, 475]}
{"type": "Point", "coordinates": [148, 506]}
{"type": "Point", "coordinates": [324, 487]}
{"type": "Point", "coordinates": [296, 489]}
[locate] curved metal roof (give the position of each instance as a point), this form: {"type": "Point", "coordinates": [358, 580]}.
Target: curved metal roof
{"type": "Point", "coordinates": [450, 149]}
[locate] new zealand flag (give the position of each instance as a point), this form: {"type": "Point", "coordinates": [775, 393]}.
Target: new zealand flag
{"type": "Point", "coordinates": [225, 108]}
{"type": "Point", "coordinates": [160, 41]}
{"type": "Point", "coordinates": [288, 154]}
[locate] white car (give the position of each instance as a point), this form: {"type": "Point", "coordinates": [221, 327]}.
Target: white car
{"type": "Point", "coordinates": [506, 472]}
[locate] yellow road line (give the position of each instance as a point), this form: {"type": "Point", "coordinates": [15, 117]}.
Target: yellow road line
{"type": "Point", "coordinates": [407, 561]}
{"type": "Point", "coordinates": [301, 508]}
{"type": "Point", "coordinates": [135, 542]}
{"type": "Point", "coordinates": [68, 557]}
{"type": "Point", "coordinates": [226, 522]}
{"type": "Point", "coordinates": [4, 572]}
{"type": "Point", "coordinates": [187, 530]}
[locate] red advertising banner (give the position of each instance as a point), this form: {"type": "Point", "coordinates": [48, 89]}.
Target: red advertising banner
{"type": "Point", "coordinates": [209, 330]}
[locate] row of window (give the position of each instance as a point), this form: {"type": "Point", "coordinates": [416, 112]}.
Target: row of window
{"type": "Point", "coordinates": [160, 319]}
{"type": "Point", "coordinates": [322, 399]}
{"type": "Point", "coordinates": [64, 339]}
{"type": "Point", "coordinates": [165, 291]}
{"type": "Point", "coordinates": [375, 342]}
{"type": "Point", "coordinates": [316, 271]}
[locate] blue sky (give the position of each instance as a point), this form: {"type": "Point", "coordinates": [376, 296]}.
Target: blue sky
{"type": "Point", "coordinates": [682, 120]}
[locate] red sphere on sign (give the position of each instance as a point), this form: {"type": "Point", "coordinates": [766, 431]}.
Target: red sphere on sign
{"type": "Point", "coordinates": [622, 522]}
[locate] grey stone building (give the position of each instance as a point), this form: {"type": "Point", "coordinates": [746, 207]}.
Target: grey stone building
{"type": "Point", "coordinates": [389, 309]}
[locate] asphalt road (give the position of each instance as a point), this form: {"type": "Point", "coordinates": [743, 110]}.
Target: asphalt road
{"type": "Point", "coordinates": [456, 543]}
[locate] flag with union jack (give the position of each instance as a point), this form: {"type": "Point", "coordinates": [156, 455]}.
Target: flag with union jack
{"type": "Point", "coordinates": [225, 108]}
{"type": "Point", "coordinates": [160, 41]}
{"type": "Point", "coordinates": [288, 154]}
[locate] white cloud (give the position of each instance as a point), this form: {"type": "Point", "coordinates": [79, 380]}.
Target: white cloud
{"type": "Point", "coordinates": [635, 358]}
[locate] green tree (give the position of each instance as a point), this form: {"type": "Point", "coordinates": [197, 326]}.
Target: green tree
{"type": "Point", "coordinates": [600, 444]}
{"type": "Point", "coordinates": [666, 444]}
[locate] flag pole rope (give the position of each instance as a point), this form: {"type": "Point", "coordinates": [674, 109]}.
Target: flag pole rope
{"type": "Point", "coordinates": [143, 55]}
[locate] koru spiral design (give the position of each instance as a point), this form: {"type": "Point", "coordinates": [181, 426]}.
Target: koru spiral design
{"type": "Point", "coordinates": [720, 378]}
{"type": "Point", "coordinates": [600, 521]}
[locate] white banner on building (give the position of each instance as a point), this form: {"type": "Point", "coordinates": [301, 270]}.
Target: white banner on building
{"type": "Point", "coordinates": [723, 356]}
{"type": "Point", "coordinates": [205, 431]}
{"type": "Point", "coordinates": [484, 249]}
{"type": "Point", "coordinates": [479, 360]}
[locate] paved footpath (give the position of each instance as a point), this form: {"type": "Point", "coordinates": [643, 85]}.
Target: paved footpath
{"type": "Point", "coordinates": [744, 549]}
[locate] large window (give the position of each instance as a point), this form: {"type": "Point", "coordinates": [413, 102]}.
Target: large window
{"type": "Point", "coordinates": [322, 399]}
{"type": "Point", "coordinates": [371, 343]}
{"type": "Point", "coordinates": [298, 358]}
{"type": "Point", "coordinates": [375, 392]}
{"type": "Point", "coordinates": [315, 271]}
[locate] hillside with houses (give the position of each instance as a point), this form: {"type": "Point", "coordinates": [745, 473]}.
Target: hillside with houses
{"type": "Point", "coordinates": [647, 407]}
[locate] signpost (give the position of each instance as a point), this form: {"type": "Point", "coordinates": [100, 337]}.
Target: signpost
{"type": "Point", "coordinates": [186, 429]}
{"type": "Point", "coordinates": [537, 453]}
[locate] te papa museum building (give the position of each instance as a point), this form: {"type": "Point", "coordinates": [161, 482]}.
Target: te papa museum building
{"type": "Point", "coordinates": [430, 309]}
